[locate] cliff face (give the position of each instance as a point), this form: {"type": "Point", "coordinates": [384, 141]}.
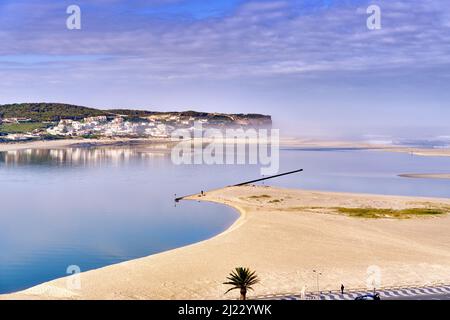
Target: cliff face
{"type": "Point", "coordinates": [239, 120]}
{"type": "Point", "coordinates": [254, 120]}
{"type": "Point", "coordinates": [217, 119]}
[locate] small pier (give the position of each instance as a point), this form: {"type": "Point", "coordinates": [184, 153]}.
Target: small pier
{"type": "Point", "coordinates": [177, 199]}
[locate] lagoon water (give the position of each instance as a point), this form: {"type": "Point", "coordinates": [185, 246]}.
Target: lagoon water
{"type": "Point", "coordinates": [93, 207]}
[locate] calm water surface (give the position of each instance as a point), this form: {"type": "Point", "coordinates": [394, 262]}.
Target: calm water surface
{"type": "Point", "coordinates": [96, 207]}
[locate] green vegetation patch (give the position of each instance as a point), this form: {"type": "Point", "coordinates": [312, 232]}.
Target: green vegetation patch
{"type": "Point", "coordinates": [276, 201]}
{"type": "Point", "coordinates": [374, 213]}
{"type": "Point", "coordinates": [91, 136]}
{"type": "Point", "coordinates": [305, 208]}
{"type": "Point", "coordinates": [263, 196]}
{"type": "Point", "coordinates": [22, 127]}
{"type": "Point", "coordinates": [48, 111]}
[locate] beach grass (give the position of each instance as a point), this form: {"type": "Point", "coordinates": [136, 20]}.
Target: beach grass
{"type": "Point", "coordinates": [276, 201]}
{"type": "Point", "coordinates": [262, 196]}
{"type": "Point", "coordinates": [376, 213]}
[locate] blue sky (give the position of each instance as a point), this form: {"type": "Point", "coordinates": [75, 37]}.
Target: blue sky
{"type": "Point", "coordinates": [196, 9]}
{"type": "Point", "coordinates": [312, 64]}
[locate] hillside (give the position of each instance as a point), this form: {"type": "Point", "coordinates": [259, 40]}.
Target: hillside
{"type": "Point", "coordinates": [39, 112]}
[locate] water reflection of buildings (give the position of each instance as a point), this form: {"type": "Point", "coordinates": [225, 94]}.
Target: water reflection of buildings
{"type": "Point", "coordinates": [83, 156]}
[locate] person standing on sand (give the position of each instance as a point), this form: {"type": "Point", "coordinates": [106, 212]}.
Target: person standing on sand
{"type": "Point", "coordinates": [303, 293]}
{"type": "Point", "coordinates": [342, 289]}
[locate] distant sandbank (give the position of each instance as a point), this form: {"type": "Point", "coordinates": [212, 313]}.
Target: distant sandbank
{"type": "Point", "coordinates": [427, 152]}
{"type": "Point", "coordinates": [426, 175]}
{"type": "Point", "coordinates": [311, 143]}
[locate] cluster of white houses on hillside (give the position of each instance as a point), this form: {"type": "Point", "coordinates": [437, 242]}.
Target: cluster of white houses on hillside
{"type": "Point", "coordinates": [157, 125]}
{"type": "Point", "coordinates": [117, 127]}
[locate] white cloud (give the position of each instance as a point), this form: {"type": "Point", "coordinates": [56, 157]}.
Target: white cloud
{"type": "Point", "coordinates": [261, 38]}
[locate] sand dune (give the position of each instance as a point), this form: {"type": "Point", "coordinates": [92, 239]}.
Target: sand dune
{"type": "Point", "coordinates": [283, 235]}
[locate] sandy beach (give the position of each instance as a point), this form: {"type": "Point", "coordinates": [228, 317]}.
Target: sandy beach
{"type": "Point", "coordinates": [4, 147]}
{"type": "Point", "coordinates": [283, 235]}
{"type": "Point", "coordinates": [420, 151]}
{"type": "Point", "coordinates": [426, 175]}
{"type": "Point", "coordinates": [57, 144]}
{"type": "Point", "coordinates": [67, 143]}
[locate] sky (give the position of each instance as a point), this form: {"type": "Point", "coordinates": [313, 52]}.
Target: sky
{"type": "Point", "coordinates": [311, 64]}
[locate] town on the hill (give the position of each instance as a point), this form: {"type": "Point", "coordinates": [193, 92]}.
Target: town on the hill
{"type": "Point", "coordinates": [157, 125]}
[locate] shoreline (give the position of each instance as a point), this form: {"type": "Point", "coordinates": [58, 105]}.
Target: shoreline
{"type": "Point", "coordinates": [284, 143]}
{"type": "Point", "coordinates": [310, 239]}
{"type": "Point", "coordinates": [426, 175]}
{"type": "Point", "coordinates": [40, 291]}
{"type": "Point", "coordinates": [79, 143]}
{"type": "Point", "coordinates": [421, 151]}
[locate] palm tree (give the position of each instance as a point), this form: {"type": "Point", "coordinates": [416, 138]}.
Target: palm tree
{"type": "Point", "coordinates": [242, 279]}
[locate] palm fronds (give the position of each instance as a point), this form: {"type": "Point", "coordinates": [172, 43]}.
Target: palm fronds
{"type": "Point", "coordinates": [242, 278]}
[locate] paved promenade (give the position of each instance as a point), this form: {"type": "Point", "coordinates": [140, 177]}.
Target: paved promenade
{"type": "Point", "coordinates": [420, 293]}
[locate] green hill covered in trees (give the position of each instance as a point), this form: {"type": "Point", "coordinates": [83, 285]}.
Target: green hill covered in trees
{"type": "Point", "coordinates": [42, 112]}
{"type": "Point", "coordinates": [39, 112]}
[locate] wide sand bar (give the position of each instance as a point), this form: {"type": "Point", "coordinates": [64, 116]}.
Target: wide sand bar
{"type": "Point", "coordinates": [283, 235]}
